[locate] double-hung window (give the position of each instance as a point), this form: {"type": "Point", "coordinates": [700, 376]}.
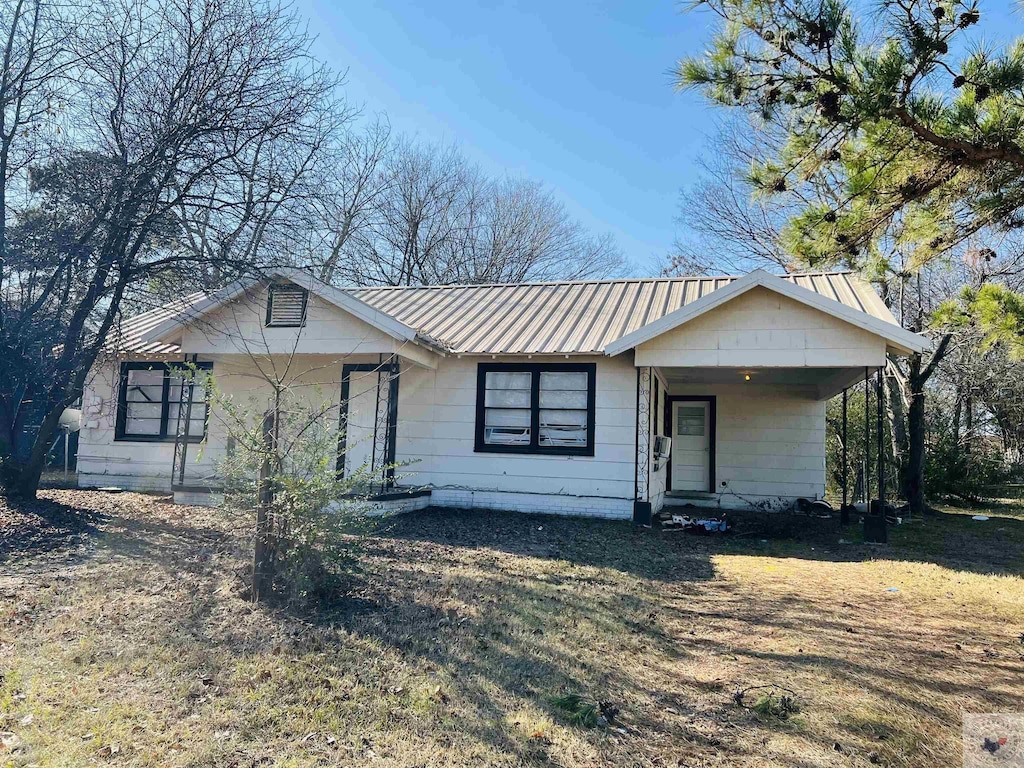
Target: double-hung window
{"type": "Point", "coordinates": [535, 408]}
{"type": "Point", "coordinates": [149, 399]}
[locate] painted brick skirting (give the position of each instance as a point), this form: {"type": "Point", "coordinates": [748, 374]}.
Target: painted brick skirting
{"type": "Point", "coordinates": [457, 498]}
{"type": "Point", "coordinates": [548, 504]}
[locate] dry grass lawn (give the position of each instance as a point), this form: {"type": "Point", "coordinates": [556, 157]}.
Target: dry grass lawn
{"type": "Point", "coordinates": [126, 643]}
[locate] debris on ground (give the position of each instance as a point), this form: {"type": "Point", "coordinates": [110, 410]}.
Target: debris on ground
{"type": "Point", "coordinates": [816, 507]}
{"type": "Point", "coordinates": [673, 522]}
{"type": "Point", "coordinates": [773, 700]}
{"type": "Point", "coordinates": [708, 525]}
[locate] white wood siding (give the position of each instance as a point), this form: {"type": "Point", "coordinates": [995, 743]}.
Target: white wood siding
{"type": "Point", "coordinates": [239, 327]}
{"type": "Point", "coordinates": [437, 419]}
{"type": "Point", "coordinates": [147, 465]}
{"type": "Point", "coordinates": [770, 441]}
{"type": "Point", "coordinates": [763, 328]}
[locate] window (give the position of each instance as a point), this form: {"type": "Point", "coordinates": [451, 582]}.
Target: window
{"type": "Point", "coordinates": [286, 305]}
{"type": "Point", "coordinates": [690, 420]}
{"type": "Point", "coordinates": [149, 399]}
{"type": "Point", "coordinates": [524, 408]}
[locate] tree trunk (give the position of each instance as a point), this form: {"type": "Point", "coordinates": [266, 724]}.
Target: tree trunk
{"type": "Point", "coordinates": [263, 560]}
{"type": "Point", "coordinates": [896, 407]}
{"type": "Point", "coordinates": [26, 483]}
{"type": "Point", "coordinates": [916, 380]}
{"type": "Point", "coordinates": [915, 433]}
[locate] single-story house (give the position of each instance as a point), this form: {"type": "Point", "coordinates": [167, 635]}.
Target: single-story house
{"type": "Point", "coordinates": [608, 398]}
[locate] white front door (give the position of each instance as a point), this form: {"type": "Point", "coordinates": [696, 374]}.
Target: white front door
{"type": "Point", "coordinates": [691, 445]}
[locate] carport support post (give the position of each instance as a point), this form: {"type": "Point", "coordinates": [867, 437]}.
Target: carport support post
{"type": "Point", "coordinates": [867, 440]}
{"type": "Point", "coordinates": [880, 398]}
{"type": "Point", "coordinates": [844, 512]}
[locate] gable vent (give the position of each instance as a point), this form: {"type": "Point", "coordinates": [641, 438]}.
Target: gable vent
{"type": "Point", "coordinates": [286, 305]}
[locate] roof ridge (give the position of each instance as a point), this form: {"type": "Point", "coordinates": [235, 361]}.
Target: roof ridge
{"type": "Point", "coordinates": [602, 281]}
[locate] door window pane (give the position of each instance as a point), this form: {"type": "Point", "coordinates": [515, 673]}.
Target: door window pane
{"type": "Point", "coordinates": [690, 420]}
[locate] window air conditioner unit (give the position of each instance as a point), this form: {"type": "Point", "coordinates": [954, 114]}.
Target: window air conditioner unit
{"type": "Point", "coordinates": [662, 447]}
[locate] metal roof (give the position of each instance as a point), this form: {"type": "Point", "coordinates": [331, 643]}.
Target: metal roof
{"type": "Point", "coordinates": [578, 317]}
{"type": "Point", "coordinates": [573, 317]}
{"type": "Point", "coordinates": [127, 337]}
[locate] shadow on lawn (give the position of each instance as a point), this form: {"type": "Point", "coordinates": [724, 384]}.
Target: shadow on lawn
{"type": "Point", "coordinates": [37, 527]}
{"type": "Point", "coordinates": [506, 610]}
{"type": "Point", "coordinates": [647, 553]}
{"type": "Point", "coordinates": [506, 626]}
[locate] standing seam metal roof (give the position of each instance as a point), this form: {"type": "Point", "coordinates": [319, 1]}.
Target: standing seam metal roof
{"type": "Point", "coordinates": [572, 317]}
{"type": "Point", "coordinates": [579, 317]}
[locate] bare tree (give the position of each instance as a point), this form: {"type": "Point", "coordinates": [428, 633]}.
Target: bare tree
{"type": "Point", "coordinates": [414, 213]}
{"type": "Point", "coordinates": [727, 227]}
{"type": "Point", "coordinates": [191, 117]}
{"type": "Point", "coordinates": [36, 37]}
{"type": "Point", "coordinates": [353, 188]}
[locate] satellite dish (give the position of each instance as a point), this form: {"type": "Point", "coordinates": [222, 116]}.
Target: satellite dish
{"type": "Point", "coordinates": [71, 419]}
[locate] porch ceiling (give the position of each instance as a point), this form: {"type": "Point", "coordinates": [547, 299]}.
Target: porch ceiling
{"type": "Point", "coordinates": [824, 382]}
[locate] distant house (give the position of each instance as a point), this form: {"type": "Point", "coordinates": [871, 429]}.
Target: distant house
{"type": "Point", "coordinates": [544, 397]}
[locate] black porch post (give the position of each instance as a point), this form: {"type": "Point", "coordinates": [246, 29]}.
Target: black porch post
{"type": "Point", "coordinates": [880, 397]}
{"type": "Point", "coordinates": [867, 439]}
{"type": "Point", "coordinates": [844, 512]}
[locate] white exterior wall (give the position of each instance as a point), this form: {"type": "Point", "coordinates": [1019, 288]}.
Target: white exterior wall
{"type": "Point", "coordinates": [102, 461]}
{"type": "Point", "coordinates": [146, 465]}
{"type": "Point", "coordinates": [436, 440]}
{"type": "Point", "coordinates": [770, 443]}
{"type": "Point", "coordinates": [762, 328]}
{"type": "Point", "coordinates": [236, 340]}
{"type": "Point", "coordinates": [549, 504]}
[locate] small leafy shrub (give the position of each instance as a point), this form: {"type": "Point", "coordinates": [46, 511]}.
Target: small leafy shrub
{"type": "Point", "coordinates": [313, 516]}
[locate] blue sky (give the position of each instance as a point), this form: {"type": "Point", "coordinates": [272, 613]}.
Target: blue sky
{"type": "Point", "coordinates": [574, 93]}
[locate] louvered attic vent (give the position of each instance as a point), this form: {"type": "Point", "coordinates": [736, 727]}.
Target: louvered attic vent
{"type": "Point", "coordinates": [286, 306]}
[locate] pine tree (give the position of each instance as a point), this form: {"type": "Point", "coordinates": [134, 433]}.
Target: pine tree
{"type": "Point", "coordinates": [902, 141]}
{"type": "Point", "coordinates": [913, 139]}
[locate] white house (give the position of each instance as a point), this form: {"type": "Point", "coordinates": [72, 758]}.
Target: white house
{"type": "Point", "coordinates": [546, 397]}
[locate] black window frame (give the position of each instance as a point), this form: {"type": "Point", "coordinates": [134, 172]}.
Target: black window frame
{"type": "Point", "coordinates": [292, 287]}
{"type": "Point", "coordinates": [536, 369]}
{"type": "Point", "coordinates": [166, 434]}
